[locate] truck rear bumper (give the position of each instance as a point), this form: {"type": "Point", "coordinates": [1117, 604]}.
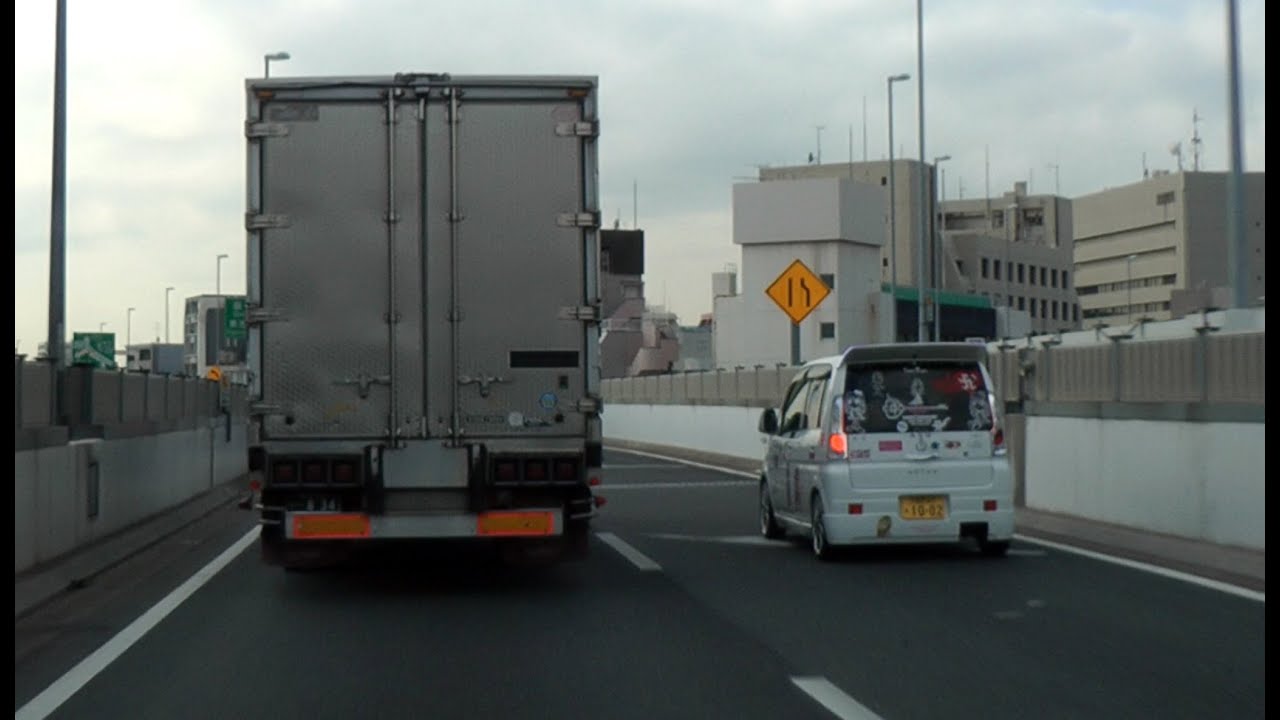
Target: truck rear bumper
{"type": "Point", "coordinates": [522, 523]}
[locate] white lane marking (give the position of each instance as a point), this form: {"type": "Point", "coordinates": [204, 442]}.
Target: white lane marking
{"type": "Point", "coordinates": [725, 539]}
{"type": "Point", "coordinates": [63, 688]}
{"type": "Point", "coordinates": [834, 699]}
{"type": "Point", "coordinates": [1027, 553]}
{"type": "Point", "coordinates": [1154, 569]}
{"type": "Point", "coordinates": [704, 466]}
{"type": "Point", "coordinates": [1132, 564]}
{"type": "Point", "coordinates": [656, 485]}
{"type": "Point", "coordinates": [637, 558]}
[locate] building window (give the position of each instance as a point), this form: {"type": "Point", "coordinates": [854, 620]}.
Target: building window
{"type": "Point", "coordinates": [997, 219]}
{"type": "Point", "coordinates": [827, 331]}
{"type": "Point", "coordinates": [884, 180]}
{"type": "Point", "coordinates": [1031, 308]}
{"type": "Point", "coordinates": [1031, 280]}
{"type": "Point", "coordinates": [1075, 311]}
{"type": "Point", "coordinates": [985, 268]}
{"type": "Point", "coordinates": [1044, 277]}
{"type": "Point", "coordinates": [1165, 198]}
{"type": "Point", "coordinates": [1066, 282]}
{"type": "Point", "coordinates": [1022, 303]}
{"type": "Point", "coordinates": [1020, 274]}
{"type": "Point", "coordinates": [884, 262]}
{"type": "Point", "coordinates": [829, 280]}
{"type": "Point", "coordinates": [960, 266]}
{"type": "Point", "coordinates": [1053, 277]}
{"type": "Point", "coordinates": [997, 270]}
{"type": "Point", "coordinates": [1033, 217]}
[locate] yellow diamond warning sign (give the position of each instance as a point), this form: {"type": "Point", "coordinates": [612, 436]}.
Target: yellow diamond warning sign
{"type": "Point", "coordinates": [798, 291]}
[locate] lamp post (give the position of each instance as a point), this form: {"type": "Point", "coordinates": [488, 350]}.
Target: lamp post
{"type": "Point", "coordinates": [1128, 263]}
{"type": "Point", "coordinates": [937, 254]}
{"type": "Point", "coordinates": [101, 326]}
{"type": "Point", "coordinates": [266, 61]}
{"type": "Point", "coordinates": [217, 350]}
{"type": "Point", "coordinates": [1011, 215]}
{"type": "Point", "coordinates": [128, 330]}
{"type": "Point", "coordinates": [166, 313]}
{"type": "Point", "coordinates": [893, 214]}
{"type": "Point", "coordinates": [922, 216]}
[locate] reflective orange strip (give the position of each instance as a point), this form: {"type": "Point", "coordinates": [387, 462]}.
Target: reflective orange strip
{"type": "Point", "coordinates": [515, 524]}
{"type": "Point", "coordinates": [331, 526]}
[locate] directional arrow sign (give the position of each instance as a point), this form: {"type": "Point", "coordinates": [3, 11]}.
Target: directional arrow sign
{"type": "Point", "coordinates": [95, 349]}
{"type": "Point", "coordinates": [798, 291]}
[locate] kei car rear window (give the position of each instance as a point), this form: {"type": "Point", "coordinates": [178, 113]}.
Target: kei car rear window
{"type": "Point", "coordinates": [933, 397]}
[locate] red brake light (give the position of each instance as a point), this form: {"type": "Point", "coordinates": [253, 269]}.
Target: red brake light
{"type": "Point", "coordinates": [566, 470]}
{"type": "Point", "coordinates": [997, 438]}
{"type": "Point", "coordinates": [989, 505]}
{"type": "Point", "coordinates": [506, 471]}
{"type": "Point", "coordinates": [313, 473]}
{"type": "Point", "coordinates": [535, 470]}
{"type": "Point", "coordinates": [284, 471]}
{"type": "Point", "coordinates": [838, 444]}
{"type": "Point", "coordinates": [594, 481]}
{"type": "Point", "coordinates": [855, 508]}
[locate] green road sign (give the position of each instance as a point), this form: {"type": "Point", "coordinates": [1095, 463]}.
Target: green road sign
{"type": "Point", "coordinates": [233, 325]}
{"type": "Point", "coordinates": [95, 349]}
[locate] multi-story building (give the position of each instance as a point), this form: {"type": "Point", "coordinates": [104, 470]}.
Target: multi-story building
{"type": "Point", "coordinates": [1015, 250]}
{"type": "Point", "coordinates": [1157, 249]}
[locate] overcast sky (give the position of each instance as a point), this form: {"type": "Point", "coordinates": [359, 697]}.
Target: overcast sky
{"type": "Point", "coordinates": [693, 95]}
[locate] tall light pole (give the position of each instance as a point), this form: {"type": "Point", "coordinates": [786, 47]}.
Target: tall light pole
{"type": "Point", "coordinates": [1057, 185]}
{"type": "Point", "coordinates": [819, 128]}
{"type": "Point", "coordinates": [1128, 262]}
{"type": "Point", "coordinates": [266, 61]}
{"type": "Point", "coordinates": [101, 326]}
{"type": "Point", "coordinates": [893, 217]}
{"type": "Point", "coordinates": [217, 350]}
{"type": "Point", "coordinates": [937, 253]}
{"type": "Point", "coordinates": [923, 215]}
{"type": "Point", "coordinates": [128, 330]}
{"type": "Point", "coordinates": [1011, 214]}
{"type": "Point", "coordinates": [1237, 251]}
{"type": "Point", "coordinates": [166, 314]}
{"type": "Point", "coordinates": [58, 203]}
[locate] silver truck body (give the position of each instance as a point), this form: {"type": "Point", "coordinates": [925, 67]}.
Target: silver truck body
{"type": "Point", "coordinates": [422, 292]}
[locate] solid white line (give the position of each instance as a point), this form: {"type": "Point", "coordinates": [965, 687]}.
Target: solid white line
{"type": "Point", "coordinates": [725, 539]}
{"type": "Point", "coordinates": [1155, 569]}
{"type": "Point", "coordinates": [653, 485]}
{"type": "Point", "coordinates": [704, 466]}
{"type": "Point", "coordinates": [643, 466]}
{"type": "Point", "coordinates": [1027, 553]}
{"type": "Point", "coordinates": [834, 699]}
{"type": "Point", "coordinates": [1132, 564]}
{"type": "Point", "coordinates": [637, 558]}
{"type": "Point", "coordinates": [60, 691]}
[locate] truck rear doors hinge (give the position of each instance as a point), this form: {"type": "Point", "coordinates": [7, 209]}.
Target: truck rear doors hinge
{"type": "Point", "coordinates": [263, 221]}
{"type": "Point", "coordinates": [259, 316]}
{"type": "Point", "coordinates": [259, 130]}
{"type": "Point", "coordinates": [585, 219]}
{"type": "Point", "coordinates": [261, 409]}
{"type": "Point", "coordinates": [583, 313]}
{"type": "Point", "coordinates": [579, 128]}
{"type": "Point", "coordinates": [588, 405]}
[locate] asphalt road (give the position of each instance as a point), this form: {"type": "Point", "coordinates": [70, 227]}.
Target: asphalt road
{"type": "Point", "coordinates": [680, 612]}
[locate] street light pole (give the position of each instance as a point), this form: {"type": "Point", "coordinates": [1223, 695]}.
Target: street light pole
{"type": "Point", "coordinates": [217, 350]}
{"type": "Point", "coordinates": [128, 331]}
{"type": "Point", "coordinates": [58, 203]}
{"type": "Point", "coordinates": [1237, 251]}
{"type": "Point", "coordinates": [893, 218]}
{"type": "Point", "coordinates": [1129, 283]}
{"type": "Point", "coordinates": [266, 61]}
{"type": "Point", "coordinates": [166, 314]}
{"type": "Point", "coordinates": [937, 253]}
{"type": "Point", "coordinates": [923, 215]}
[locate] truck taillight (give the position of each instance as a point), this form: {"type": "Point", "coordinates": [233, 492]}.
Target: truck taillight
{"type": "Point", "coordinates": [506, 471]}
{"type": "Point", "coordinates": [313, 472]}
{"type": "Point", "coordinates": [344, 472]}
{"type": "Point", "coordinates": [566, 470]}
{"type": "Point", "coordinates": [535, 470]}
{"type": "Point", "coordinates": [284, 471]}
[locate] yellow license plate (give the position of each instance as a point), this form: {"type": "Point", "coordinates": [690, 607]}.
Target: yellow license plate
{"type": "Point", "coordinates": [509, 524]}
{"type": "Point", "coordinates": [325, 527]}
{"type": "Point", "coordinates": [922, 508]}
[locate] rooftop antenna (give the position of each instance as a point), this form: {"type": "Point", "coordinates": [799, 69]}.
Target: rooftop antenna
{"type": "Point", "coordinates": [1195, 140]}
{"type": "Point", "coordinates": [1145, 172]}
{"type": "Point", "coordinates": [850, 151]}
{"type": "Point", "coordinates": [819, 128]}
{"type": "Point", "coordinates": [864, 128]}
{"type": "Point", "coordinates": [986, 190]}
{"type": "Point", "coordinates": [635, 205]}
{"type": "Point", "coordinates": [1176, 150]}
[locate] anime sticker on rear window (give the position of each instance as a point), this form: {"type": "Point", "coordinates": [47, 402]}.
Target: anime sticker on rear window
{"type": "Point", "coordinates": [916, 398]}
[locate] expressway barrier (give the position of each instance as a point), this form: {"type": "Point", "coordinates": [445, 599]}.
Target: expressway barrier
{"type": "Point", "coordinates": [1158, 427]}
{"type": "Point", "coordinates": [120, 448]}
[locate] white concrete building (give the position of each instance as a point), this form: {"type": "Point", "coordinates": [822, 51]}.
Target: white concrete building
{"type": "Point", "coordinates": [836, 227]}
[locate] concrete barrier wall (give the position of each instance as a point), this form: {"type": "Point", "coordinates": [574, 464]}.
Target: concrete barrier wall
{"type": "Point", "coordinates": [1193, 479]}
{"type": "Point", "coordinates": [1201, 480]}
{"type": "Point", "coordinates": [136, 477]}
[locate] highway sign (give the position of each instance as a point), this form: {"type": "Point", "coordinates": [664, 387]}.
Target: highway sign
{"type": "Point", "coordinates": [233, 325]}
{"type": "Point", "coordinates": [94, 349]}
{"type": "Point", "coordinates": [798, 291]}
